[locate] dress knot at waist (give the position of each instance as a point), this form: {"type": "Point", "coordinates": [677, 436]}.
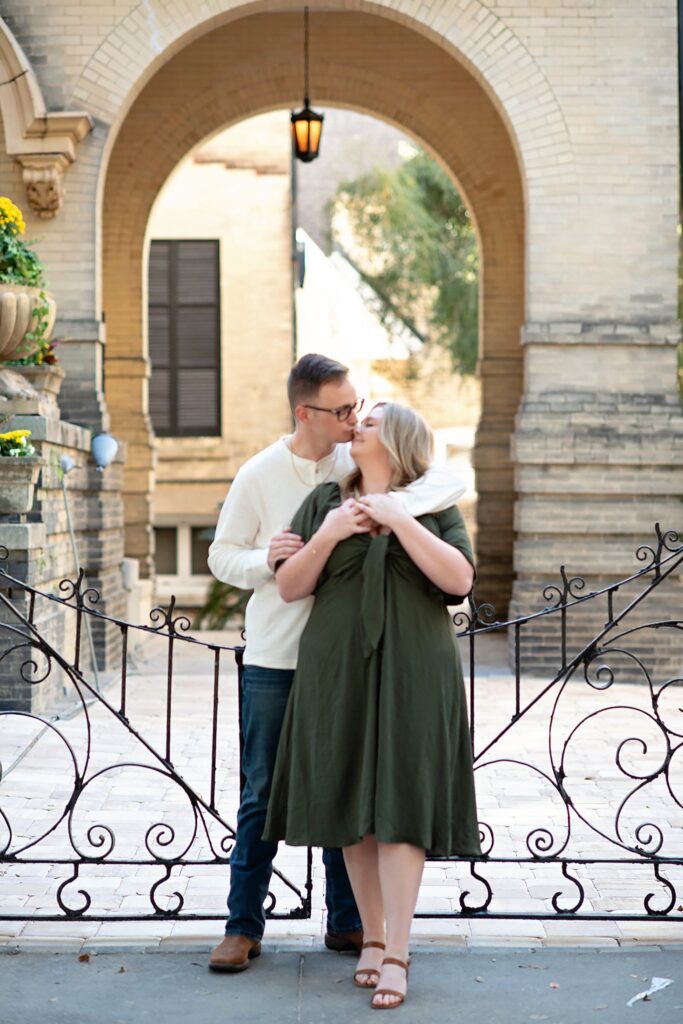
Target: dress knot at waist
{"type": "Point", "coordinates": [373, 594]}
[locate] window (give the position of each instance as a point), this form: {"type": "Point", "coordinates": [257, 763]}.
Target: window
{"type": "Point", "coordinates": [166, 550]}
{"type": "Point", "coordinates": [184, 338]}
{"type": "Point", "coordinates": [182, 550]}
{"type": "Point", "coordinates": [201, 542]}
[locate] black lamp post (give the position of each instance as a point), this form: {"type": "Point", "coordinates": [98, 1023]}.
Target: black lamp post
{"type": "Point", "coordinates": [307, 126]}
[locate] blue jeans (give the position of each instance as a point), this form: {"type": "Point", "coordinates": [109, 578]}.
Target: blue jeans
{"type": "Point", "coordinates": [264, 694]}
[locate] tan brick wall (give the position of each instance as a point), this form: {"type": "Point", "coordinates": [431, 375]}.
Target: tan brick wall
{"type": "Point", "coordinates": [598, 146]}
{"type": "Point", "coordinates": [556, 70]}
{"type": "Point", "coordinates": [240, 69]}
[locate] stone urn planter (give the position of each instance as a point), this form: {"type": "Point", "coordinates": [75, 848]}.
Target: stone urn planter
{"type": "Point", "coordinates": [18, 390]}
{"type": "Point", "coordinates": [17, 308]}
{"type": "Point", "coordinates": [18, 477]}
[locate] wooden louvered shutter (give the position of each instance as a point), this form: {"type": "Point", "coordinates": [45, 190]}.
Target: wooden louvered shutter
{"type": "Point", "coordinates": [160, 337]}
{"type": "Point", "coordinates": [184, 338]}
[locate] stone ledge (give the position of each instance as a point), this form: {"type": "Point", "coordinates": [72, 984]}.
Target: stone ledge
{"type": "Point", "coordinates": [71, 331]}
{"type": "Point", "coordinates": [614, 402]}
{"type": "Point", "coordinates": [603, 332]}
{"type": "Point", "coordinates": [608, 559]}
{"type": "Point", "coordinates": [558, 514]}
{"type": "Point", "coordinates": [60, 432]}
{"type": "Point", "coordinates": [547, 478]}
{"type": "Point", "coordinates": [22, 536]}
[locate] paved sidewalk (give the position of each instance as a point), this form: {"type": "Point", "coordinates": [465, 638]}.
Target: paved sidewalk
{"type": "Point", "coordinates": [497, 986]}
{"type": "Point", "coordinates": [126, 802]}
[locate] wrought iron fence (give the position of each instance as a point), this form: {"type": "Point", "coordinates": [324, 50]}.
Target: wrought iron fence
{"type": "Point", "coordinates": [575, 827]}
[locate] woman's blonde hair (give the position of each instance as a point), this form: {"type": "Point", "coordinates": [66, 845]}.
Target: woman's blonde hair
{"type": "Point", "coordinates": [409, 441]}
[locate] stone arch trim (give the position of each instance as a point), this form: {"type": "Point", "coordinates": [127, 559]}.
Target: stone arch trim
{"type": "Point", "coordinates": [21, 98]}
{"type": "Point", "coordinates": [43, 142]}
{"type": "Point", "coordinates": [238, 70]}
{"type": "Point", "coordinates": [469, 30]}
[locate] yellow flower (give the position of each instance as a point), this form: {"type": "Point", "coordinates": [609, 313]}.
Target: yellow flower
{"type": "Point", "coordinates": [11, 216]}
{"type": "Point", "coordinates": [14, 435]}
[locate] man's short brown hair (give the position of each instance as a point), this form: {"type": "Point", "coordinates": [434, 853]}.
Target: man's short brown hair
{"type": "Point", "coordinates": [308, 375]}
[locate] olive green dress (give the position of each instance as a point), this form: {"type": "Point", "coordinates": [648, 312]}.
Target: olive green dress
{"type": "Point", "coordinates": [375, 738]}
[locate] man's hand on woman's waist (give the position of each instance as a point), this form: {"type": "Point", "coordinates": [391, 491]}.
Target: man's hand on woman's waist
{"type": "Point", "coordinates": [282, 545]}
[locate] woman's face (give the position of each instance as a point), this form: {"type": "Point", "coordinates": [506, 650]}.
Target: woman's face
{"type": "Point", "coordinates": [366, 444]}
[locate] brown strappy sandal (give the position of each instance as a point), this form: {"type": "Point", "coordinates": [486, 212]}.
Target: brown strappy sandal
{"type": "Point", "coordinates": [368, 970]}
{"type": "Point", "coordinates": [400, 996]}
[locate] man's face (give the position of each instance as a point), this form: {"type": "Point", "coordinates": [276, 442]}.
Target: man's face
{"type": "Point", "coordinates": [324, 425]}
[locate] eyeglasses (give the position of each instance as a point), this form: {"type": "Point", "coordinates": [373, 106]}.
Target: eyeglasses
{"type": "Point", "coordinates": [343, 412]}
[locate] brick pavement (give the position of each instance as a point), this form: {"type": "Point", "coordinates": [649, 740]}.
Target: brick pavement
{"type": "Point", "coordinates": [126, 802]}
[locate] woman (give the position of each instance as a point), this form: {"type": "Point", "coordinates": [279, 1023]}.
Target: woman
{"type": "Point", "coordinates": [375, 753]}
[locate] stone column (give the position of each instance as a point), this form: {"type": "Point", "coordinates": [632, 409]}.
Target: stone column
{"type": "Point", "coordinates": [501, 386]}
{"type": "Point", "coordinates": [598, 451]}
{"type": "Point", "coordinates": [81, 354]}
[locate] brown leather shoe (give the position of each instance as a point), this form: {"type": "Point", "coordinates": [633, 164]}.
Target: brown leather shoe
{"type": "Point", "coordinates": [344, 942]}
{"type": "Point", "coordinates": [234, 953]}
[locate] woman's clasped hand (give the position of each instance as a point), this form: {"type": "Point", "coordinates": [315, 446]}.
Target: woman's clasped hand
{"type": "Point", "coordinates": [367, 514]}
{"type": "Point", "coordinates": [348, 518]}
{"type": "Point", "coordinates": [383, 509]}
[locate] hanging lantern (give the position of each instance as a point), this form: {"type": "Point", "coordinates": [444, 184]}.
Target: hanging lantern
{"type": "Point", "coordinates": [307, 128]}
{"type": "Point", "coordinates": [307, 125]}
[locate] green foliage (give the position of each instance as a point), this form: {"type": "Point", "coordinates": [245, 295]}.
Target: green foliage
{"type": "Point", "coordinates": [419, 252]}
{"type": "Point", "coordinates": [18, 262]}
{"type": "Point", "coordinates": [223, 603]}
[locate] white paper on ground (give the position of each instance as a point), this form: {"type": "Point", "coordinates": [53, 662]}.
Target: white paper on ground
{"type": "Point", "coordinates": [657, 985]}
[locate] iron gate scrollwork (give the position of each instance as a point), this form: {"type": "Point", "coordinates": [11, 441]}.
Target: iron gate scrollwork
{"type": "Point", "coordinates": [38, 660]}
{"type": "Point", "coordinates": [644, 768]}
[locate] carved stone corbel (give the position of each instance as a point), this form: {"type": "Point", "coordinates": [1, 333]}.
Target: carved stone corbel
{"type": "Point", "coordinates": [43, 175]}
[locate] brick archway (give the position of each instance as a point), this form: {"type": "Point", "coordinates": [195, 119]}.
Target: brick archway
{"type": "Point", "coordinates": [369, 63]}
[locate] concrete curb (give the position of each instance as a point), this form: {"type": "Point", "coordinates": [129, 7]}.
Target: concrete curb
{"type": "Point", "coordinates": [457, 944]}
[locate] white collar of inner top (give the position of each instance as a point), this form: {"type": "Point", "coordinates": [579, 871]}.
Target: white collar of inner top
{"type": "Point", "coordinates": [312, 462]}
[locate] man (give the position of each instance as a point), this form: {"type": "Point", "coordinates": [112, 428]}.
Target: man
{"type": "Point", "coordinates": [251, 538]}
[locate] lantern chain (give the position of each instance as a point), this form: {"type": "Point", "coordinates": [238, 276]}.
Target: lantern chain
{"type": "Point", "coordinates": [306, 92]}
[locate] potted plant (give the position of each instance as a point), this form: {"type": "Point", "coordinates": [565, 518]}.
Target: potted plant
{"type": "Point", "coordinates": [27, 311]}
{"type": "Point", "coordinates": [19, 469]}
